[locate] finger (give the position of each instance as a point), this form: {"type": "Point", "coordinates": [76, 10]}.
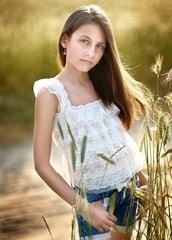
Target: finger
{"type": "Point", "coordinates": [106, 227]}
{"type": "Point", "coordinates": [100, 229]}
{"type": "Point", "coordinates": [112, 218]}
{"type": "Point", "coordinates": [138, 212]}
{"type": "Point", "coordinates": [110, 223]}
{"type": "Point", "coordinates": [138, 216]}
{"type": "Point", "coordinates": [146, 207]}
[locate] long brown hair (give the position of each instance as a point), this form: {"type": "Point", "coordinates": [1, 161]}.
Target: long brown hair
{"type": "Point", "coordinates": [111, 81]}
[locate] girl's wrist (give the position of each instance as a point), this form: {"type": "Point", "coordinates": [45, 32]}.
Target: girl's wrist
{"type": "Point", "coordinates": [80, 207]}
{"type": "Point", "coordinates": [84, 207]}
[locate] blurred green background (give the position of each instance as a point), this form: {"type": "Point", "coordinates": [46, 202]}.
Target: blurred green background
{"type": "Point", "coordinates": [29, 31]}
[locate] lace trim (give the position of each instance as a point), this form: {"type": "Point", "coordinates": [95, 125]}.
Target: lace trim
{"type": "Point", "coordinates": [93, 128]}
{"type": "Point", "coordinates": [100, 137]}
{"type": "Point", "coordinates": [85, 105]}
{"type": "Point", "coordinates": [105, 176]}
{"type": "Point", "coordinates": [53, 86]}
{"type": "Point", "coordinates": [81, 105]}
{"type": "Point", "coordinates": [123, 229]}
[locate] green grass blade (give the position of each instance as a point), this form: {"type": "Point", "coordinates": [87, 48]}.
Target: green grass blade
{"type": "Point", "coordinates": [117, 151]}
{"type": "Point", "coordinates": [167, 152]}
{"type": "Point", "coordinates": [60, 130]}
{"type": "Point", "coordinates": [48, 228]}
{"type": "Point", "coordinates": [112, 203]}
{"type": "Point", "coordinates": [106, 158]}
{"type": "Point", "coordinates": [72, 137]}
{"type": "Point", "coordinates": [73, 155]}
{"type": "Point", "coordinates": [167, 136]}
{"type": "Point", "coordinates": [83, 148]}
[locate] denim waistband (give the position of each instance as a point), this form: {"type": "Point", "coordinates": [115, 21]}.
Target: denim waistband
{"type": "Point", "coordinates": [102, 194]}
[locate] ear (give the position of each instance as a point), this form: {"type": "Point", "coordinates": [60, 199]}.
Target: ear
{"type": "Point", "coordinates": [64, 40]}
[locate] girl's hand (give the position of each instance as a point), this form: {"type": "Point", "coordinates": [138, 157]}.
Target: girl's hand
{"type": "Point", "coordinates": [100, 218]}
{"type": "Point", "coordinates": [142, 203]}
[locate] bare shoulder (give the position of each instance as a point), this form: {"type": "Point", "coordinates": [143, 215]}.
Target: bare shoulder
{"type": "Point", "coordinates": [47, 99]}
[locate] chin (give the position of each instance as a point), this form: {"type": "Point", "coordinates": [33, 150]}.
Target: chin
{"type": "Point", "coordinates": [85, 69]}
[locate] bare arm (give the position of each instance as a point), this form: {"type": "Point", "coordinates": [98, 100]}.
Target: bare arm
{"type": "Point", "coordinates": [45, 108]}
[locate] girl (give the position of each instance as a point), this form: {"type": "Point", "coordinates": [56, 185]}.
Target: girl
{"type": "Point", "coordinates": [97, 98]}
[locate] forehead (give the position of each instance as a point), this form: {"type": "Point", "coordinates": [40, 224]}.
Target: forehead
{"type": "Point", "coordinates": [92, 30]}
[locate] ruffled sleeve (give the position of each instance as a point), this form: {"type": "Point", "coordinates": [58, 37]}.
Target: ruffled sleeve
{"type": "Point", "coordinates": [53, 86]}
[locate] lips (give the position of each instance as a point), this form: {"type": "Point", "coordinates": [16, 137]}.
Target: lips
{"type": "Point", "coordinates": [87, 61]}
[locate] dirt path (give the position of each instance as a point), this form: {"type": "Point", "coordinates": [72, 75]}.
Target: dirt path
{"type": "Point", "coordinates": [24, 199]}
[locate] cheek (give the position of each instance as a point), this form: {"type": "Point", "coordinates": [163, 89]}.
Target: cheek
{"type": "Point", "coordinates": [99, 56]}
{"type": "Point", "coordinates": [75, 45]}
{"type": "Point", "coordinates": [74, 49]}
{"type": "Point", "coordinates": [71, 53]}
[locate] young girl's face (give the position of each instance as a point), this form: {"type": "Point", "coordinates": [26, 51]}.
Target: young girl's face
{"type": "Point", "coordinates": [85, 47]}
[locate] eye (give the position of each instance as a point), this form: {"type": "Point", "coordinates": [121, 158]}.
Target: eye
{"type": "Point", "coordinates": [84, 41]}
{"type": "Point", "coordinates": [100, 46]}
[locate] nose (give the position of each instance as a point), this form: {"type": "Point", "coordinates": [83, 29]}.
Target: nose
{"type": "Point", "coordinates": [91, 51]}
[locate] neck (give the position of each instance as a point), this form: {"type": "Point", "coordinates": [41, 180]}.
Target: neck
{"type": "Point", "coordinates": [74, 76]}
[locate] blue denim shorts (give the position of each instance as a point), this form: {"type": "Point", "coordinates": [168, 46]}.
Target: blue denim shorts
{"type": "Point", "coordinates": [124, 209]}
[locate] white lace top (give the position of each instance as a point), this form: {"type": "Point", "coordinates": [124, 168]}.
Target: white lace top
{"type": "Point", "coordinates": [105, 134]}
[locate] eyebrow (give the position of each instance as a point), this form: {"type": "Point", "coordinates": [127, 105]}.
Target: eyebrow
{"type": "Point", "coordinates": [91, 39]}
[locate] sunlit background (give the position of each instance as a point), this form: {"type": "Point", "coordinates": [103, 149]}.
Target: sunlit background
{"type": "Point", "coordinates": [29, 31]}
